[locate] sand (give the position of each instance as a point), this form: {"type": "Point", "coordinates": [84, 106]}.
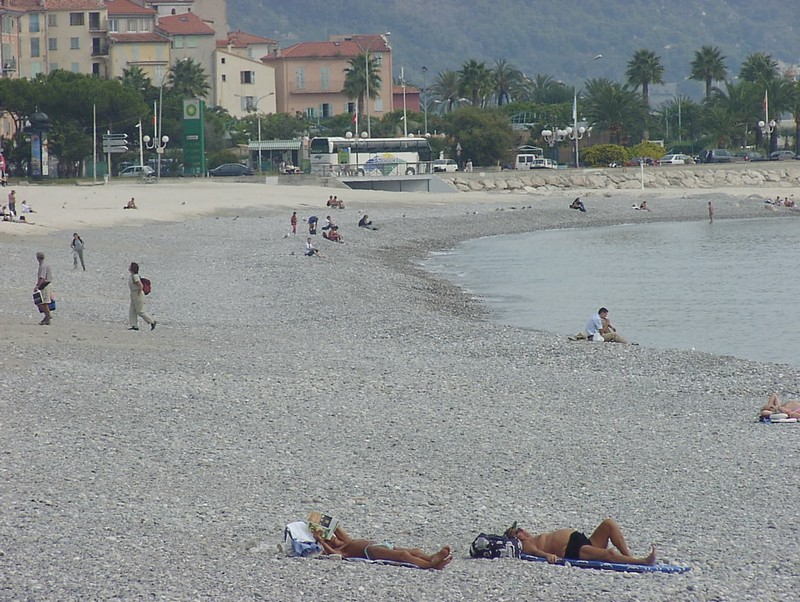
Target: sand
{"type": "Point", "coordinates": [165, 464]}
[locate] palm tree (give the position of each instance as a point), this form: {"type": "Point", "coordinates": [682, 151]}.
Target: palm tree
{"type": "Point", "coordinates": [739, 103]}
{"type": "Point", "coordinates": [135, 78]}
{"type": "Point", "coordinates": [445, 88]}
{"type": "Point", "coordinates": [355, 81]}
{"type": "Point", "coordinates": [505, 76]}
{"type": "Point", "coordinates": [475, 81]}
{"type": "Point", "coordinates": [796, 112]}
{"type": "Point", "coordinates": [721, 123]}
{"type": "Point", "coordinates": [613, 107]}
{"type": "Point", "coordinates": [188, 79]}
{"type": "Point", "coordinates": [759, 67]}
{"type": "Point", "coordinates": [545, 90]}
{"type": "Point", "coordinates": [645, 68]}
{"type": "Point", "coordinates": [708, 65]}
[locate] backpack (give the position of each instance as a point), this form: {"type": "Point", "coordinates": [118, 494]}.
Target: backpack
{"type": "Point", "coordinates": [146, 286]}
{"type": "Point", "coordinates": [299, 541]}
{"type": "Point", "coordinates": [494, 546]}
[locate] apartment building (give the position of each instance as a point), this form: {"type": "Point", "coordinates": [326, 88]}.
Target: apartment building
{"type": "Point", "coordinates": [9, 39]}
{"type": "Point", "coordinates": [309, 76]}
{"type": "Point", "coordinates": [133, 41]}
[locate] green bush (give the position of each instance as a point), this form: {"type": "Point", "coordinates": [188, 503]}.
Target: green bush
{"type": "Point", "coordinates": [601, 155]}
{"type": "Point", "coordinates": [647, 149]}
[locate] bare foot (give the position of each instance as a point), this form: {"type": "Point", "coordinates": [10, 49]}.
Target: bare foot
{"type": "Point", "coordinates": [651, 557]}
{"type": "Point", "coordinates": [442, 558]}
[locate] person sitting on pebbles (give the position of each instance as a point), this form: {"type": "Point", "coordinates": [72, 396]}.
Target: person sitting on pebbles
{"type": "Point", "coordinates": [774, 406]}
{"type": "Point", "coordinates": [578, 204]}
{"type": "Point", "coordinates": [341, 543]}
{"type": "Point", "coordinates": [131, 204]}
{"type": "Point", "coordinates": [571, 544]}
{"type": "Point", "coordinates": [599, 328]}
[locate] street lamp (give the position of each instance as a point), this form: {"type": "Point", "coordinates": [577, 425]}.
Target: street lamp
{"type": "Point", "coordinates": [159, 144]}
{"type": "Point", "coordinates": [576, 132]}
{"type": "Point", "coordinates": [366, 77]}
{"type": "Point", "coordinates": [425, 96]}
{"type": "Point", "coordinates": [767, 126]}
{"type": "Point", "coordinates": [253, 106]}
{"type": "Point", "coordinates": [552, 137]}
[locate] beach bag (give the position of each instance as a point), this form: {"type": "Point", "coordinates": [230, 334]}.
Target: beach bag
{"type": "Point", "coordinates": [38, 297]}
{"type": "Point", "coordinates": [146, 286]}
{"type": "Point", "coordinates": [494, 546]}
{"type": "Point", "coordinates": [299, 541]}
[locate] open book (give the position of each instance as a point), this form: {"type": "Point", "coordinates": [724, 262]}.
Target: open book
{"type": "Point", "coordinates": [323, 524]}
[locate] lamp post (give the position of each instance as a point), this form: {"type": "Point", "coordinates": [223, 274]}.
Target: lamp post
{"type": "Point", "coordinates": [159, 144]}
{"type": "Point", "coordinates": [366, 78]}
{"type": "Point", "coordinates": [253, 106]}
{"type": "Point", "coordinates": [768, 125]}
{"type": "Point", "coordinates": [552, 137]}
{"type": "Point", "coordinates": [403, 83]}
{"type": "Point", "coordinates": [425, 96]}
{"type": "Point", "coordinates": [576, 133]}
{"type": "Point", "coordinates": [141, 144]}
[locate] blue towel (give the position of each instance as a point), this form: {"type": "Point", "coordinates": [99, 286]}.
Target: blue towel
{"type": "Point", "coordinates": [614, 566]}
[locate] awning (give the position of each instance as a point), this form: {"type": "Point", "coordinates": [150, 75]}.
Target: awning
{"type": "Point", "coordinates": [275, 145]}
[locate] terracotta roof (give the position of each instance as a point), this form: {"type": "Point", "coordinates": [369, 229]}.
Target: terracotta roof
{"type": "Point", "coordinates": [130, 38]}
{"type": "Point", "coordinates": [127, 7]}
{"type": "Point", "coordinates": [185, 24]}
{"type": "Point", "coordinates": [56, 4]}
{"type": "Point", "coordinates": [242, 39]}
{"type": "Point", "coordinates": [346, 48]}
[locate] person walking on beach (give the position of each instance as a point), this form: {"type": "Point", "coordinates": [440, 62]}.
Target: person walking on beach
{"type": "Point", "coordinates": [571, 544]}
{"type": "Point", "coordinates": [12, 202]}
{"type": "Point", "coordinates": [77, 252]}
{"type": "Point", "coordinates": [293, 222]}
{"type": "Point", "coordinates": [710, 213]}
{"type": "Point", "coordinates": [44, 276]}
{"type": "Point", "coordinates": [136, 310]}
{"type": "Point", "coordinates": [599, 328]}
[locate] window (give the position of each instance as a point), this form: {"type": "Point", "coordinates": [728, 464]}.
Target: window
{"type": "Point", "coordinates": [248, 102]}
{"type": "Point", "coordinates": [222, 60]}
{"type": "Point", "coordinates": [160, 73]}
{"type": "Point", "coordinates": [378, 105]}
{"type": "Point", "coordinates": [326, 109]}
{"type": "Point", "coordinates": [191, 41]}
{"type": "Point", "coordinates": [350, 107]}
{"type": "Point", "coordinates": [8, 24]}
{"type": "Point", "coordinates": [224, 78]}
{"type": "Point", "coordinates": [75, 68]}
{"type": "Point", "coordinates": [52, 20]}
{"type": "Point", "coordinates": [377, 58]}
{"type": "Point", "coordinates": [36, 68]}
{"type": "Point", "coordinates": [34, 47]}
{"type": "Point", "coordinates": [52, 43]}
{"type": "Point", "coordinates": [325, 78]}
{"type": "Point", "coordinates": [33, 23]}
{"type": "Point", "coordinates": [311, 113]}
{"type": "Point", "coordinates": [94, 21]}
{"type": "Point", "coordinates": [96, 69]}
{"type": "Point", "coordinates": [74, 43]}
{"type": "Point", "coordinates": [76, 19]}
{"type": "Point", "coordinates": [178, 42]}
{"type": "Point", "coordinates": [53, 67]}
{"type": "Point", "coordinates": [300, 79]}
{"type": "Point", "coordinates": [113, 25]}
{"type": "Point", "coordinates": [248, 77]}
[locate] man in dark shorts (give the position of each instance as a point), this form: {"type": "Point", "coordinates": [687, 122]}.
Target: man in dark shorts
{"type": "Point", "coordinates": [571, 544]}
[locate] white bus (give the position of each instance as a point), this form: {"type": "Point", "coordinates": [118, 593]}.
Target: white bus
{"type": "Point", "coordinates": [370, 156]}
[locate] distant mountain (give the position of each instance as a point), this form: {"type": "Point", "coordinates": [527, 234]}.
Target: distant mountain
{"type": "Point", "coordinates": [555, 37]}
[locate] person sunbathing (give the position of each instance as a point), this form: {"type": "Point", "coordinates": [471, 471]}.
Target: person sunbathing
{"type": "Point", "coordinates": [571, 544]}
{"type": "Point", "coordinates": [333, 235]}
{"type": "Point", "coordinates": [341, 543]}
{"type": "Point", "coordinates": [774, 406]}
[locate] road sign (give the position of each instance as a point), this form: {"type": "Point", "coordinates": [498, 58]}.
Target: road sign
{"type": "Point", "coordinates": [115, 143]}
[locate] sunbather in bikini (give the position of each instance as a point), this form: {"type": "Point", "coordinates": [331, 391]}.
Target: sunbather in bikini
{"type": "Point", "coordinates": [572, 544]}
{"type": "Point", "coordinates": [341, 543]}
{"type": "Point", "coordinates": [774, 406]}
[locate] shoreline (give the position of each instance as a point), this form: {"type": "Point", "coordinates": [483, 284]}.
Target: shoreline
{"type": "Point", "coordinates": [166, 464]}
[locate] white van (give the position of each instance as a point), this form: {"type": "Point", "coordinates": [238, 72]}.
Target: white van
{"type": "Point", "coordinates": [526, 161]}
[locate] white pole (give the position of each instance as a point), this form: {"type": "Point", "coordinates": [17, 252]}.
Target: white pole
{"type": "Point", "coordinates": [141, 149]}
{"type": "Point", "coordinates": [366, 96]}
{"type": "Point", "coordinates": [258, 116]}
{"type": "Point", "coordinates": [403, 81]}
{"type": "Point", "coordinates": [158, 133]}
{"type": "Point", "coordinates": [94, 142]}
{"type": "Point", "coordinates": [575, 124]}
{"type": "Point", "coordinates": [641, 168]}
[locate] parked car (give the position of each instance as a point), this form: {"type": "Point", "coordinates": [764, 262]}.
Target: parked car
{"type": "Point", "coordinates": [676, 159]}
{"type": "Point", "coordinates": [781, 155]}
{"type": "Point", "coordinates": [137, 171]}
{"type": "Point", "coordinates": [637, 161]}
{"type": "Point", "coordinates": [231, 169]}
{"type": "Point", "coordinates": [754, 156]}
{"type": "Point", "coordinates": [445, 165]}
{"type": "Point", "coordinates": [718, 155]}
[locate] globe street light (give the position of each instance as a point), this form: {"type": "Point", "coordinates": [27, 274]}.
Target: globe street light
{"type": "Point", "coordinates": [576, 132]}
{"type": "Point", "coordinates": [366, 77]}
{"type": "Point", "coordinates": [425, 96]}
{"type": "Point", "coordinates": [767, 126]}
{"type": "Point", "coordinates": [159, 145]}
{"type": "Point", "coordinates": [552, 137]}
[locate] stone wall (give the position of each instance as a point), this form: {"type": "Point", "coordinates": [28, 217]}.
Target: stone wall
{"type": "Point", "coordinates": [736, 175]}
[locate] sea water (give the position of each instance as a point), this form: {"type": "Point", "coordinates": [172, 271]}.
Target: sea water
{"type": "Point", "coordinates": [730, 287]}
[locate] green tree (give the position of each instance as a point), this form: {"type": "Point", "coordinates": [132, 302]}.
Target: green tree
{"type": "Point", "coordinates": [136, 79]}
{"type": "Point", "coordinates": [735, 110]}
{"type": "Point", "coordinates": [355, 80]}
{"type": "Point", "coordinates": [445, 88]}
{"type": "Point", "coordinates": [645, 68]}
{"type": "Point", "coordinates": [188, 79]}
{"type": "Point", "coordinates": [545, 90]}
{"type": "Point", "coordinates": [759, 67]}
{"type": "Point", "coordinates": [603, 155]}
{"type": "Point", "coordinates": [475, 82]}
{"type": "Point", "coordinates": [721, 124]}
{"type": "Point", "coordinates": [708, 65]}
{"type": "Point", "coordinates": [484, 135]}
{"type": "Point", "coordinates": [612, 107]}
{"type": "Point", "coordinates": [504, 78]}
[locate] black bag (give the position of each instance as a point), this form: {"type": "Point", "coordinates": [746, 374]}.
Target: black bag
{"type": "Point", "coordinates": [494, 546]}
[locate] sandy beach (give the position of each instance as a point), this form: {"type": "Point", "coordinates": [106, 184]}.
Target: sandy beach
{"type": "Point", "coordinates": [164, 464]}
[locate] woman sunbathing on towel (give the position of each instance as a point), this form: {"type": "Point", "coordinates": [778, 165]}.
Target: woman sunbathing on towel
{"type": "Point", "coordinates": [341, 543]}
{"type": "Point", "coordinates": [774, 406]}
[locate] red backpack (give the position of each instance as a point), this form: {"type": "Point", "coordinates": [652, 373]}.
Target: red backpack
{"type": "Point", "coordinates": [146, 286]}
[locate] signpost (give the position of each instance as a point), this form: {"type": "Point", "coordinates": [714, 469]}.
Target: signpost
{"type": "Point", "coordinates": [114, 143]}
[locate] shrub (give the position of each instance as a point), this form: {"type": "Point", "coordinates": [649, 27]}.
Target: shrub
{"type": "Point", "coordinates": [602, 155]}
{"type": "Point", "coordinates": [647, 149]}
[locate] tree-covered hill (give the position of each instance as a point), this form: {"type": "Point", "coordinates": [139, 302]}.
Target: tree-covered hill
{"type": "Point", "coordinates": [555, 37]}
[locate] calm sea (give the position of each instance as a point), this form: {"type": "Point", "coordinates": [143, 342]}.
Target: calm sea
{"type": "Point", "coordinates": [730, 287]}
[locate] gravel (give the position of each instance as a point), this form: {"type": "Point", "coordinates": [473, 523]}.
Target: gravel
{"type": "Point", "coordinates": [164, 465]}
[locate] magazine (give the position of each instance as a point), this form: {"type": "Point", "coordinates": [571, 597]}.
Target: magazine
{"type": "Point", "coordinates": [323, 524]}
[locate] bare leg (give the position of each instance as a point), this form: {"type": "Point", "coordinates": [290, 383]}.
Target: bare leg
{"type": "Point", "coordinates": [437, 561]}
{"type": "Point", "coordinates": [608, 555]}
{"type": "Point", "coordinates": [609, 531]}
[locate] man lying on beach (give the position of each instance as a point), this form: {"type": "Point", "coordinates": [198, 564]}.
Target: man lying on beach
{"type": "Point", "coordinates": [571, 544]}
{"type": "Point", "coordinates": [341, 543]}
{"type": "Point", "coordinates": [774, 406]}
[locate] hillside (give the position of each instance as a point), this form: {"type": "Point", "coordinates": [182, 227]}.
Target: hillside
{"type": "Point", "coordinates": [540, 36]}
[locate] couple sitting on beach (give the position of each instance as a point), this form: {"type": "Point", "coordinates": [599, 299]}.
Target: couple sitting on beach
{"type": "Point", "coordinates": [784, 411]}
{"type": "Point", "coordinates": [552, 545]}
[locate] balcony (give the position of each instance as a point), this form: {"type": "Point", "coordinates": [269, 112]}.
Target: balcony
{"type": "Point", "coordinates": [10, 66]}
{"type": "Point", "coordinates": [101, 50]}
{"type": "Point", "coordinates": [333, 87]}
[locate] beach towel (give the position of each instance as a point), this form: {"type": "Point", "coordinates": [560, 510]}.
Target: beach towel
{"type": "Point", "coordinates": [613, 566]}
{"type": "Point", "coordinates": [408, 565]}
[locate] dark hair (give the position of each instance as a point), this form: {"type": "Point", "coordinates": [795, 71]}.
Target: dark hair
{"type": "Point", "coordinates": [601, 310]}
{"type": "Point", "coordinates": [134, 267]}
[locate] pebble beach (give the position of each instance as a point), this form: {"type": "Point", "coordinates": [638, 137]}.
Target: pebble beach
{"type": "Point", "coordinates": [164, 464]}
